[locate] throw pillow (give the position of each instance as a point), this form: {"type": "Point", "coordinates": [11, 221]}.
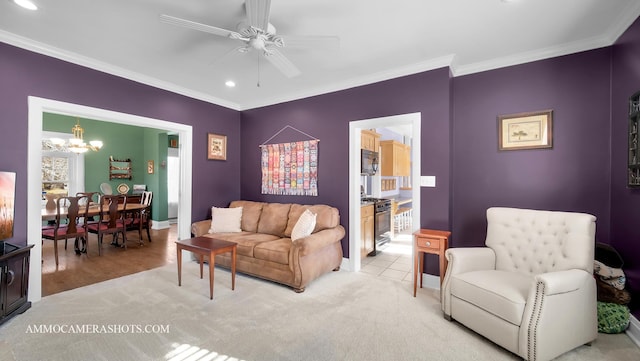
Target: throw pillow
{"type": "Point", "coordinates": [225, 220]}
{"type": "Point", "coordinates": [612, 318]}
{"type": "Point", "coordinates": [304, 226]}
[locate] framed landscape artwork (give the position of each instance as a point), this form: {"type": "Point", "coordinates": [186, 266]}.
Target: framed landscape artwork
{"type": "Point", "coordinates": [217, 147]}
{"type": "Point", "coordinates": [7, 198]}
{"type": "Point", "coordinates": [525, 130]}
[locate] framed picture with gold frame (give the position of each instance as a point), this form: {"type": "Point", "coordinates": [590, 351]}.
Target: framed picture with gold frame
{"type": "Point", "coordinates": [531, 130]}
{"type": "Point", "coordinates": [216, 147]}
{"type": "Point", "coordinates": [150, 167]}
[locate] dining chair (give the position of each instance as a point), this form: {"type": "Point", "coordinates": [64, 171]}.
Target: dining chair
{"type": "Point", "coordinates": [69, 212]}
{"type": "Point", "coordinates": [110, 220]}
{"type": "Point", "coordinates": [139, 220]}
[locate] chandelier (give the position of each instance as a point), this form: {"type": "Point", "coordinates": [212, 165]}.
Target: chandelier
{"type": "Point", "coordinates": [77, 144]}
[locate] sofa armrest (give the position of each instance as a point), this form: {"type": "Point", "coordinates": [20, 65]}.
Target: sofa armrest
{"type": "Point", "coordinates": [319, 240]}
{"type": "Point", "coordinates": [200, 228]}
{"type": "Point", "coordinates": [563, 281]}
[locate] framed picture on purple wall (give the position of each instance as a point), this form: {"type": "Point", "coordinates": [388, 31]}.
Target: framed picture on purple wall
{"type": "Point", "coordinates": [217, 147]}
{"type": "Point", "coordinates": [7, 197]}
{"type": "Point", "coordinates": [531, 130]}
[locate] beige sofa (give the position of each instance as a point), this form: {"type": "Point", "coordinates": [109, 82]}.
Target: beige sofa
{"type": "Point", "coordinates": [265, 248]}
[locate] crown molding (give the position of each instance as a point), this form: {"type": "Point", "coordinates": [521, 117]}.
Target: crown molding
{"type": "Point", "coordinates": [437, 63]}
{"type": "Point", "coordinates": [530, 56]}
{"type": "Point", "coordinates": [74, 58]}
{"type": "Point", "coordinates": [608, 38]}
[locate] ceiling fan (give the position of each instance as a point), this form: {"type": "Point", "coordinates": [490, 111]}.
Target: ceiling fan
{"type": "Point", "coordinates": [258, 34]}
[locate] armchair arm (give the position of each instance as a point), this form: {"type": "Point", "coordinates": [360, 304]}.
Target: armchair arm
{"type": "Point", "coordinates": [319, 240]}
{"type": "Point", "coordinates": [563, 281]}
{"type": "Point", "coordinates": [461, 260]}
{"type": "Point", "coordinates": [560, 314]}
{"type": "Point", "coordinates": [201, 227]}
{"type": "Point", "coordinates": [468, 259]}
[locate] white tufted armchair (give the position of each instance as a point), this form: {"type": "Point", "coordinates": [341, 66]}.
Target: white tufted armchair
{"type": "Point", "coordinates": [531, 290]}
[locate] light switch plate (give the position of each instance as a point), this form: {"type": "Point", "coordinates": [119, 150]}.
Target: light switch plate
{"type": "Point", "coordinates": [428, 181]}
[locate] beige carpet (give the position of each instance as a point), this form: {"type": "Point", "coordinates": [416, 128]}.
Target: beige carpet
{"type": "Point", "coordinates": [341, 316]}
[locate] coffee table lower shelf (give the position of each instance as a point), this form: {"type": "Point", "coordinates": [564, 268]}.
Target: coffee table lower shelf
{"type": "Point", "coordinates": [205, 246]}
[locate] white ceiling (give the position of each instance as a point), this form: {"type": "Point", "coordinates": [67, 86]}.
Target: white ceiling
{"type": "Point", "coordinates": [379, 39]}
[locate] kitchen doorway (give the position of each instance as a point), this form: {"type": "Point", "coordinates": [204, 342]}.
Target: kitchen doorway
{"type": "Point", "coordinates": [354, 262]}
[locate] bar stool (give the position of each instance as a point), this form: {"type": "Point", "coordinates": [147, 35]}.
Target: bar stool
{"type": "Point", "coordinates": [407, 217]}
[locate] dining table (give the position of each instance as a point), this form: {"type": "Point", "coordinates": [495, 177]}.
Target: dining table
{"type": "Point", "coordinates": [94, 210]}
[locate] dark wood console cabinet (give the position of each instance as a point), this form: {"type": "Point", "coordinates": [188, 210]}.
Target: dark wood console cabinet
{"type": "Point", "coordinates": [14, 280]}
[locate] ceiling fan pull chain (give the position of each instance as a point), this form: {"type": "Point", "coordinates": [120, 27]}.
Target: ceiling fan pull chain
{"type": "Point", "coordinates": [259, 64]}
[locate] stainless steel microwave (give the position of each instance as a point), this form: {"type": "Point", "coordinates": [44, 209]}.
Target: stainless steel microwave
{"type": "Point", "coordinates": [369, 162]}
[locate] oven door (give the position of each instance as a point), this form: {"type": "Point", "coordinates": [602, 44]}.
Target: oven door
{"type": "Point", "coordinates": [382, 227]}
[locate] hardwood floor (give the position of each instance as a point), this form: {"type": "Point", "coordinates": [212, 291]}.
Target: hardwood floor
{"type": "Point", "coordinates": [80, 270]}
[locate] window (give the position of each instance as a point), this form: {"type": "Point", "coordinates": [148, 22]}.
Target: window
{"type": "Point", "coordinates": [62, 170]}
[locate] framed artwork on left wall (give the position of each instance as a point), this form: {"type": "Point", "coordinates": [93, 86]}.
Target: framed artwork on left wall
{"type": "Point", "coordinates": [216, 147]}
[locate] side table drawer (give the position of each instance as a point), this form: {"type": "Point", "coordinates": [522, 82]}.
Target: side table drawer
{"type": "Point", "coordinates": [428, 243]}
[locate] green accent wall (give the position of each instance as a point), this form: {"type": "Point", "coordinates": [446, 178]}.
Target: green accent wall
{"type": "Point", "coordinates": [121, 141]}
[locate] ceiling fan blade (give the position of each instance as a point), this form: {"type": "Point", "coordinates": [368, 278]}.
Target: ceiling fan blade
{"type": "Point", "coordinates": [258, 13]}
{"type": "Point", "coordinates": [283, 64]}
{"type": "Point", "coordinates": [315, 42]}
{"type": "Point", "coordinates": [198, 26]}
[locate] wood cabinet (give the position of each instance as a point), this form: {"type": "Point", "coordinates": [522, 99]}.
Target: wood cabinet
{"type": "Point", "coordinates": [369, 140]}
{"type": "Point", "coordinates": [633, 166]}
{"type": "Point", "coordinates": [366, 230]}
{"type": "Point", "coordinates": [395, 159]}
{"type": "Point", "coordinates": [14, 280]}
{"type": "Point", "coordinates": [119, 168]}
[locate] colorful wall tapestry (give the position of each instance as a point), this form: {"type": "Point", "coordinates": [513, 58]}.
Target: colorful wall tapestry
{"type": "Point", "coordinates": [290, 168]}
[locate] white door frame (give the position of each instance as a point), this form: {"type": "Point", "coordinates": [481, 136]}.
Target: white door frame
{"type": "Point", "coordinates": [38, 106]}
{"type": "Point", "coordinates": [353, 263]}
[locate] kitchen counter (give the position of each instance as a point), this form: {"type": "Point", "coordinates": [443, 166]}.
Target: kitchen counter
{"type": "Point", "coordinates": [400, 200]}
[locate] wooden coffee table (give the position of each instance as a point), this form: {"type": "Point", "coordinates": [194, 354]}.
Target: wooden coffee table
{"type": "Point", "coordinates": [205, 246]}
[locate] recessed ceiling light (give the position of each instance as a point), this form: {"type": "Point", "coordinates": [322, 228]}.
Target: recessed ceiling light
{"type": "Point", "coordinates": [230, 83]}
{"type": "Point", "coordinates": [27, 4]}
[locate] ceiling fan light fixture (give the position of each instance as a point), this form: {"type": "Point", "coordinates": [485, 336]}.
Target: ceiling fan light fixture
{"type": "Point", "coordinates": [27, 4]}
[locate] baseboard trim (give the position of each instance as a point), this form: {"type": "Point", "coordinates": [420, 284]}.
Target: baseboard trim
{"type": "Point", "coordinates": [633, 331]}
{"type": "Point", "coordinates": [345, 265]}
{"type": "Point", "coordinates": [160, 224]}
{"type": "Point", "coordinates": [430, 281]}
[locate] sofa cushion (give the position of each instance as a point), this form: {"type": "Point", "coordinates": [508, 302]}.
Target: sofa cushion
{"type": "Point", "coordinates": [225, 219]}
{"type": "Point", "coordinates": [304, 226]}
{"type": "Point", "coordinates": [501, 293]}
{"type": "Point", "coordinates": [273, 251]}
{"type": "Point", "coordinates": [246, 241]}
{"type": "Point", "coordinates": [250, 214]}
{"type": "Point", "coordinates": [273, 219]}
{"type": "Point", "coordinates": [326, 217]}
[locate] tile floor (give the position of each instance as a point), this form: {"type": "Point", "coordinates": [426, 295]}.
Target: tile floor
{"type": "Point", "coordinates": [394, 261]}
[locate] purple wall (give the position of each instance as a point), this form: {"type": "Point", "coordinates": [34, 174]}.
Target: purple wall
{"type": "Point", "coordinates": [572, 176]}
{"type": "Point", "coordinates": [625, 202]}
{"type": "Point", "coordinates": [24, 73]}
{"type": "Point", "coordinates": [584, 171]}
{"type": "Point", "coordinates": [327, 118]}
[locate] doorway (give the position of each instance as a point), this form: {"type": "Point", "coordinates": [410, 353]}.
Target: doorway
{"type": "Point", "coordinates": [38, 106]}
{"type": "Point", "coordinates": [354, 262]}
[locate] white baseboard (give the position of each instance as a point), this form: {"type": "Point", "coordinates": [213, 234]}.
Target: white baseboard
{"type": "Point", "coordinates": [345, 265]}
{"type": "Point", "coordinates": [160, 224]}
{"type": "Point", "coordinates": [634, 330]}
{"type": "Point", "coordinates": [430, 281]}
